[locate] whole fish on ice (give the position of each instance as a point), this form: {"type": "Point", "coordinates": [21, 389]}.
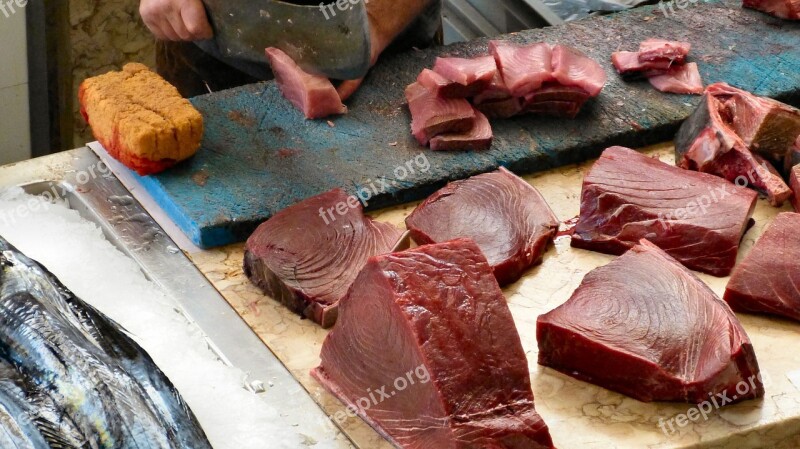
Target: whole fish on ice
{"type": "Point", "coordinates": [70, 377]}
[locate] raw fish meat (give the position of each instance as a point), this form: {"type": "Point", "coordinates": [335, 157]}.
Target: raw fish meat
{"type": "Point", "coordinates": [476, 139]}
{"type": "Point", "coordinates": [523, 68]}
{"type": "Point", "coordinates": [474, 74]}
{"type": "Point", "coordinates": [432, 115]}
{"type": "Point", "coordinates": [785, 9]}
{"type": "Point", "coordinates": [680, 79]}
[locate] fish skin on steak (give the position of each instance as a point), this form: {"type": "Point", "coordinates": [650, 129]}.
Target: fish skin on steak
{"type": "Point", "coordinates": [314, 95]}
{"type": "Point", "coordinates": [707, 142]}
{"type": "Point", "coordinates": [307, 255]}
{"type": "Point", "coordinates": [434, 312]}
{"type": "Point", "coordinates": [698, 219]}
{"type": "Point", "coordinates": [647, 327]}
{"type": "Point", "coordinates": [768, 280]}
{"type": "Point", "coordinates": [784, 9]}
{"type": "Point", "coordinates": [505, 216]}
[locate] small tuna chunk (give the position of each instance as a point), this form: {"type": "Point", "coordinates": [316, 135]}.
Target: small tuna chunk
{"type": "Point", "coordinates": [447, 88]}
{"type": "Point", "coordinates": [768, 127]}
{"type": "Point", "coordinates": [697, 218]}
{"type": "Point", "coordinates": [628, 65]}
{"type": "Point", "coordinates": [707, 142]}
{"type": "Point", "coordinates": [474, 75]}
{"type": "Point", "coordinates": [496, 100]}
{"type": "Point", "coordinates": [573, 68]}
{"type": "Point", "coordinates": [768, 280]}
{"type": "Point", "coordinates": [784, 9]}
{"type": "Point", "coordinates": [311, 274]}
{"type": "Point", "coordinates": [648, 328]}
{"type": "Point", "coordinates": [680, 79]}
{"type": "Point", "coordinates": [432, 115]}
{"type": "Point", "coordinates": [503, 214]}
{"type": "Point", "coordinates": [476, 139]}
{"type": "Point", "coordinates": [652, 50]}
{"type": "Point", "coordinates": [435, 317]}
{"type": "Point", "coordinates": [314, 95]}
{"type": "Point", "coordinates": [556, 100]}
{"type": "Point", "coordinates": [794, 182]}
{"type": "Point", "coordinates": [523, 68]}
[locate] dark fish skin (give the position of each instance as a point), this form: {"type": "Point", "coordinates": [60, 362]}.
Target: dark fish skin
{"type": "Point", "coordinates": [17, 414]}
{"type": "Point", "coordinates": [90, 385]}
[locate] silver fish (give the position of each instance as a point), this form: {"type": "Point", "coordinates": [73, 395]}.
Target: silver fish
{"type": "Point", "coordinates": [73, 378]}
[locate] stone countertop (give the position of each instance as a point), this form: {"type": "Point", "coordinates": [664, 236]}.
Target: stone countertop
{"type": "Point", "coordinates": [579, 414]}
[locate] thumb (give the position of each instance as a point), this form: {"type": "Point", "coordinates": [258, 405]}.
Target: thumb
{"type": "Point", "coordinates": [194, 17]}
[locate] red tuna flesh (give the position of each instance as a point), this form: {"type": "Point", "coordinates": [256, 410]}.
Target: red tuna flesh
{"type": "Point", "coordinates": [646, 327]}
{"type": "Point", "coordinates": [768, 127]}
{"type": "Point", "coordinates": [434, 315]}
{"type": "Point", "coordinates": [573, 68]}
{"type": "Point", "coordinates": [785, 9]}
{"type": "Point", "coordinates": [311, 274]}
{"type": "Point", "coordinates": [314, 95]}
{"type": "Point", "coordinates": [496, 100]}
{"type": "Point", "coordinates": [476, 139]}
{"type": "Point", "coordinates": [432, 115]}
{"type": "Point", "coordinates": [627, 64]}
{"type": "Point", "coordinates": [794, 182]}
{"type": "Point", "coordinates": [524, 69]}
{"type": "Point", "coordinates": [447, 88]}
{"type": "Point", "coordinates": [663, 50]}
{"type": "Point", "coordinates": [697, 218]}
{"type": "Point", "coordinates": [680, 79]}
{"type": "Point", "coordinates": [507, 217]}
{"type": "Point", "coordinates": [707, 142]}
{"type": "Point", "coordinates": [768, 280]}
{"type": "Point", "coordinates": [556, 100]}
{"type": "Point", "coordinates": [473, 74]}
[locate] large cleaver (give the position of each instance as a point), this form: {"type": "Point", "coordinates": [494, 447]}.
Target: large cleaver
{"type": "Point", "coordinates": [329, 39]}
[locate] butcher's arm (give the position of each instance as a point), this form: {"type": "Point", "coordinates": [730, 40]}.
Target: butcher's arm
{"type": "Point", "coordinates": [389, 18]}
{"type": "Point", "coordinates": [176, 20]}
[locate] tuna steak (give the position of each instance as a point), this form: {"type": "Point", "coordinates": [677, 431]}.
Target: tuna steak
{"type": "Point", "coordinates": [496, 100]}
{"type": "Point", "coordinates": [785, 9]}
{"type": "Point", "coordinates": [476, 139]}
{"type": "Point", "coordinates": [697, 218]}
{"type": "Point", "coordinates": [314, 95]}
{"type": "Point", "coordinates": [427, 353]}
{"type": "Point", "coordinates": [507, 218]}
{"type": "Point", "coordinates": [447, 88]}
{"type": "Point", "coordinates": [524, 69]}
{"type": "Point", "coordinates": [768, 280]}
{"type": "Point", "coordinates": [708, 143]}
{"type": "Point", "coordinates": [307, 255]}
{"type": "Point", "coordinates": [680, 79]}
{"type": "Point", "coordinates": [646, 327]}
{"type": "Point", "coordinates": [474, 75]}
{"type": "Point", "coordinates": [556, 100]}
{"type": "Point", "coordinates": [432, 115]}
{"type": "Point", "coordinates": [573, 68]}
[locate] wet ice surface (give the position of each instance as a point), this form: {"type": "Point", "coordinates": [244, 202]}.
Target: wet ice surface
{"type": "Point", "coordinates": [78, 254]}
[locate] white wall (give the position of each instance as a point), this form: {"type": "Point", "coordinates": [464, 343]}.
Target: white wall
{"type": "Point", "coordinates": [15, 141]}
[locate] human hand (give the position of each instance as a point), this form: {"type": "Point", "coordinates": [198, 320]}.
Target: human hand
{"type": "Point", "coordinates": [176, 20]}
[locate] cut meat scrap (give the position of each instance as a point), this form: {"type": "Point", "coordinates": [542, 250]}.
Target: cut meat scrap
{"type": "Point", "coordinates": [444, 87]}
{"type": "Point", "coordinates": [476, 139]}
{"type": "Point", "coordinates": [663, 50]}
{"type": "Point", "coordinates": [680, 79]}
{"type": "Point", "coordinates": [628, 64]}
{"type": "Point", "coordinates": [310, 275]}
{"type": "Point", "coordinates": [742, 167]}
{"type": "Point", "coordinates": [768, 280]}
{"type": "Point", "coordinates": [697, 218]}
{"type": "Point", "coordinates": [785, 9]}
{"type": "Point", "coordinates": [507, 218]}
{"type": "Point", "coordinates": [573, 68]}
{"type": "Point", "coordinates": [766, 126]}
{"type": "Point", "coordinates": [314, 95]}
{"type": "Point", "coordinates": [646, 327]}
{"type": "Point", "coordinates": [432, 115]}
{"type": "Point", "coordinates": [399, 321]}
{"type": "Point", "coordinates": [473, 75]}
{"type": "Point", "coordinates": [523, 68]}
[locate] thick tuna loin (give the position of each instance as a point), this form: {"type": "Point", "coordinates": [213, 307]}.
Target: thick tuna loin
{"type": "Point", "coordinates": [524, 69]}
{"type": "Point", "coordinates": [307, 255]}
{"type": "Point", "coordinates": [785, 9]}
{"type": "Point", "coordinates": [432, 115]}
{"type": "Point", "coordinates": [314, 95]}
{"type": "Point", "coordinates": [476, 139]}
{"type": "Point", "coordinates": [507, 218]}
{"type": "Point", "coordinates": [430, 328]}
{"type": "Point", "coordinates": [768, 280]}
{"type": "Point", "coordinates": [698, 219]}
{"type": "Point", "coordinates": [646, 327]}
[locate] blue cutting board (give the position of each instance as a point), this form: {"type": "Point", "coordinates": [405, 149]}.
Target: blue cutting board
{"type": "Point", "coordinates": [260, 155]}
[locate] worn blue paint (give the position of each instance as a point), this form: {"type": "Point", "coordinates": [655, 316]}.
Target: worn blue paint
{"type": "Point", "coordinates": [261, 156]}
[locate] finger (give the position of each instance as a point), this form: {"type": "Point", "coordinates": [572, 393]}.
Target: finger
{"type": "Point", "coordinates": [169, 33]}
{"type": "Point", "coordinates": [348, 88]}
{"type": "Point", "coordinates": [196, 20]}
{"type": "Point", "coordinates": [156, 30]}
{"type": "Point", "coordinates": [176, 22]}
